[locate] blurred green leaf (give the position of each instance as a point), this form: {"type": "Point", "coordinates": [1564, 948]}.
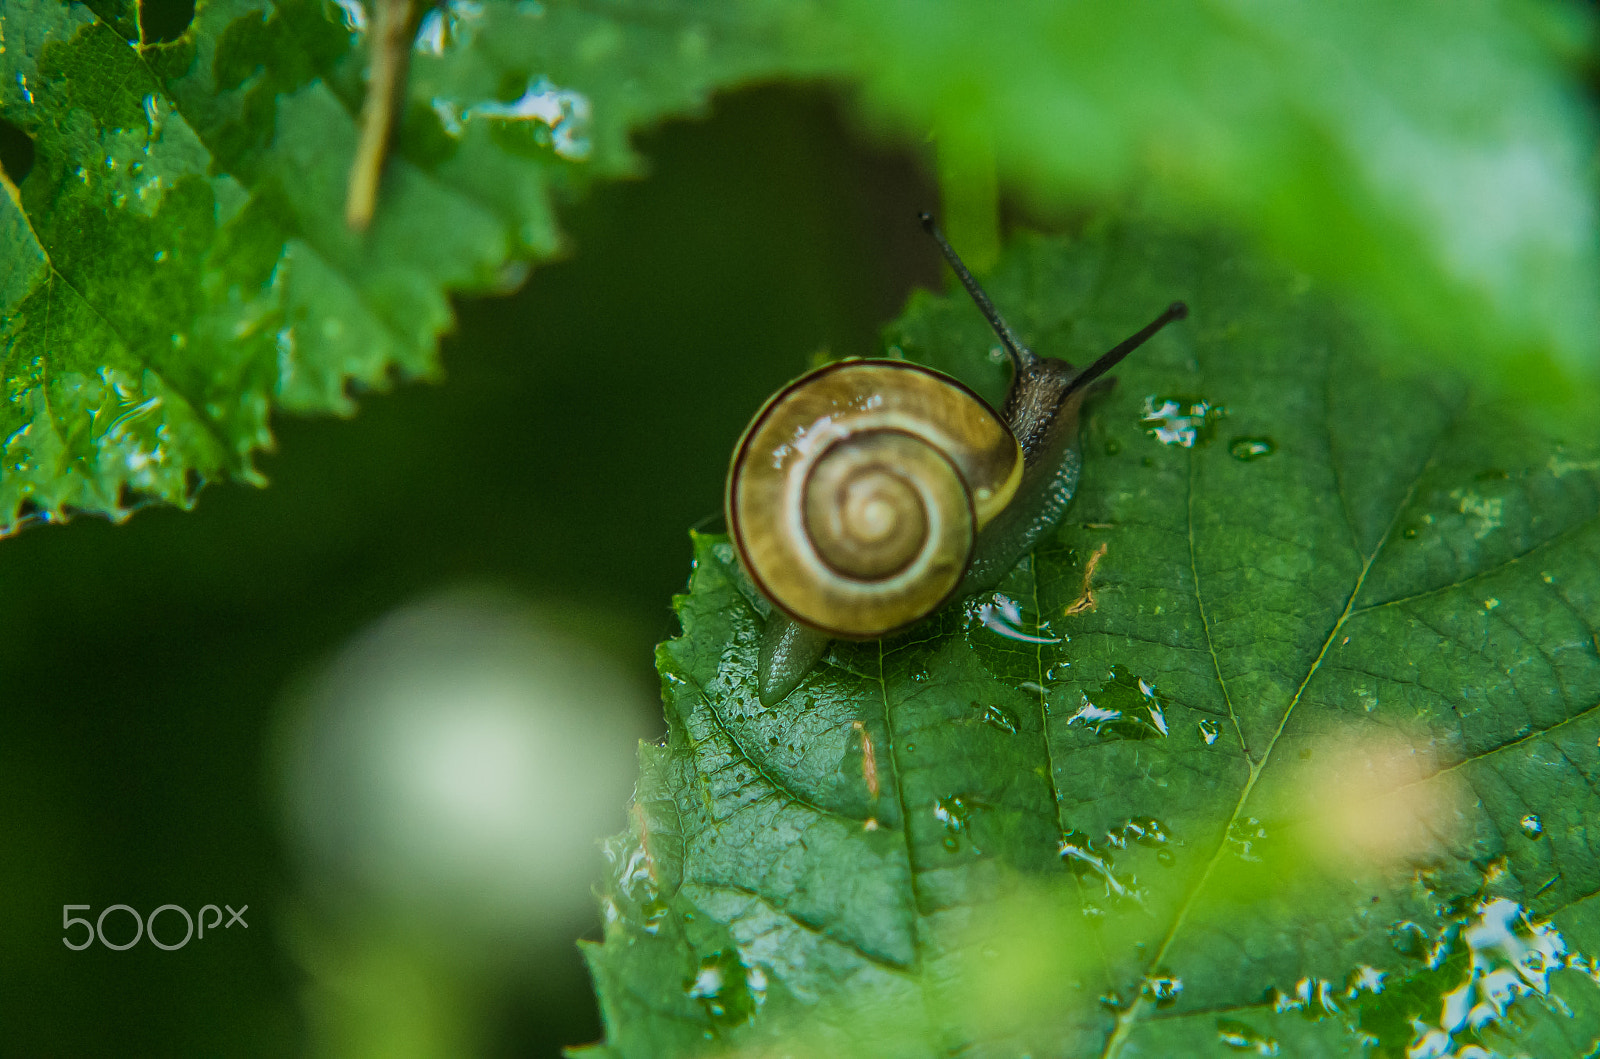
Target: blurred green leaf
{"type": "Point", "coordinates": [1437, 159]}
{"type": "Point", "coordinates": [176, 262]}
{"type": "Point", "coordinates": [1317, 765]}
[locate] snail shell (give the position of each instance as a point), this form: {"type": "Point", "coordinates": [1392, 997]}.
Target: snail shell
{"type": "Point", "coordinates": [857, 493]}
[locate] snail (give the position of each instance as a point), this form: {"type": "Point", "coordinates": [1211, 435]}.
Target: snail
{"type": "Point", "coordinates": [866, 494]}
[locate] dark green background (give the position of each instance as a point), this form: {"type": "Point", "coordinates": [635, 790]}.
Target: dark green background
{"type": "Point", "coordinates": [583, 427]}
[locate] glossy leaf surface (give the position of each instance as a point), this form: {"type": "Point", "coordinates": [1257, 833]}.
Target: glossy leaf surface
{"type": "Point", "coordinates": [1286, 742]}
{"type": "Point", "coordinates": [176, 261]}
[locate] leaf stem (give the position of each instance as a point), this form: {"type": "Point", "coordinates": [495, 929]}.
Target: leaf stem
{"type": "Point", "coordinates": [392, 32]}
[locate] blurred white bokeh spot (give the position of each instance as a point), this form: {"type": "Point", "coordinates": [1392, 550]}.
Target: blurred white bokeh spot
{"type": "Point", "coordinates": [458, 763]}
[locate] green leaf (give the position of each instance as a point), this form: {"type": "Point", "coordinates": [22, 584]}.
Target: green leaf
{"type": "Point", "coordinates": [1316, 763]}
{"type": "Point", "coordinates": [1436, 159]}
{"type": "Point", "coordinates": [176, 261]}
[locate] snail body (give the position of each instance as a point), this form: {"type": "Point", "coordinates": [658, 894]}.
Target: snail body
{"type": "Point", "coordinates": [866, 494]}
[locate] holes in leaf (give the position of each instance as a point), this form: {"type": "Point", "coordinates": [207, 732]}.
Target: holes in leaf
{"type": "Point", "coordinates": [16, 151]}
{"type": "Point", "coordinates": [163, 21]}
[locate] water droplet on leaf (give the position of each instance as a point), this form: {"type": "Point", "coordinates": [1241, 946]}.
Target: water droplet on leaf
{"type": "Point", "coordinates": [998, 717]}
{"type": "Point", "coordinates": [1243, 1038]}
{"type": "Point", "coordinates": [1124, 707]}
{"type": "Point", "coordinates": [1004, 616]}
{"type": "Point", "coordinates": [952, 812]}
{"type": "Point", "coordinates": [1163, 989]}
{"type": "Point", "coordinates": [1247, 450]}
{"type": "Point", "coordinates": [724, 987]}
{"type": "Point", "coordinates": [1181, 421]}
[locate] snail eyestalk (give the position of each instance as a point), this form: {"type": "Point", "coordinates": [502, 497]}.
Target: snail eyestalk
{"type": "Point", "coordinates": [1021, 356]}
{"type": "Point", "coordinates": [1110, 358]}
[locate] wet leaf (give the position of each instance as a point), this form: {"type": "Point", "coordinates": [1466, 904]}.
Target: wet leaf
{"type": "Point", "coordinates": [1345, 672]}
{"type": "Point", "coordinates": [176, 263]}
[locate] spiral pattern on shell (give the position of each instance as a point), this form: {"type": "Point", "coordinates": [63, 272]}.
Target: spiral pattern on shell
{"type": "Point", "coordinates": [857, 491]}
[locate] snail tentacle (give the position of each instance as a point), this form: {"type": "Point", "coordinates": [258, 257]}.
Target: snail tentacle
{"type": "Point", "coordinates": [1021, 356]}
{"type": "Point", "coordinates": [1042, 409]}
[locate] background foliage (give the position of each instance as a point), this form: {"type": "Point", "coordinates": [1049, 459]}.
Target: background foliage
{"type": "Point", "coordinates": [150, 656]}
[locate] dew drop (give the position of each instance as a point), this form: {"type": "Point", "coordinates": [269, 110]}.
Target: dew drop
{"type": "Point", "coordinates": [1244, 836]}
{"type": "Point", "coordinates": [1124, 706]}
{"type": "Point", "coordinates": [998, 717]}
{"type": "Point", "coordinates": [1532, 826]}
{"type": "Point", "coordinates": [1181, 421]}
{"type": "Point", "coordinates": [1410, 939]}
{"type": "Point", "coordinates": [1209, 730]}
{"type": "Point", "coordinates": [1312, 997]}
{"type": "Point", "coordinates": [1163, 989]}
{"type": "Point", "coordinates": [727, 990]}
{"type": "Point", "coordinates": [1241, 1037]}
{"type": "Point", "coordinates": [355, 16]}
{"type": "Point", "coordinates": [1083, 860]}
{"type": "Point", "coordinates": [952, 812]}
{"type": "Point", "coordinates": [1003, 615]}
{"type": "Point", "coordinates": [1247, 450]}
{"type": "Point", "coordinates": [1146, 831]}
{"type": "Point", "coordinates": [1365, 979]}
